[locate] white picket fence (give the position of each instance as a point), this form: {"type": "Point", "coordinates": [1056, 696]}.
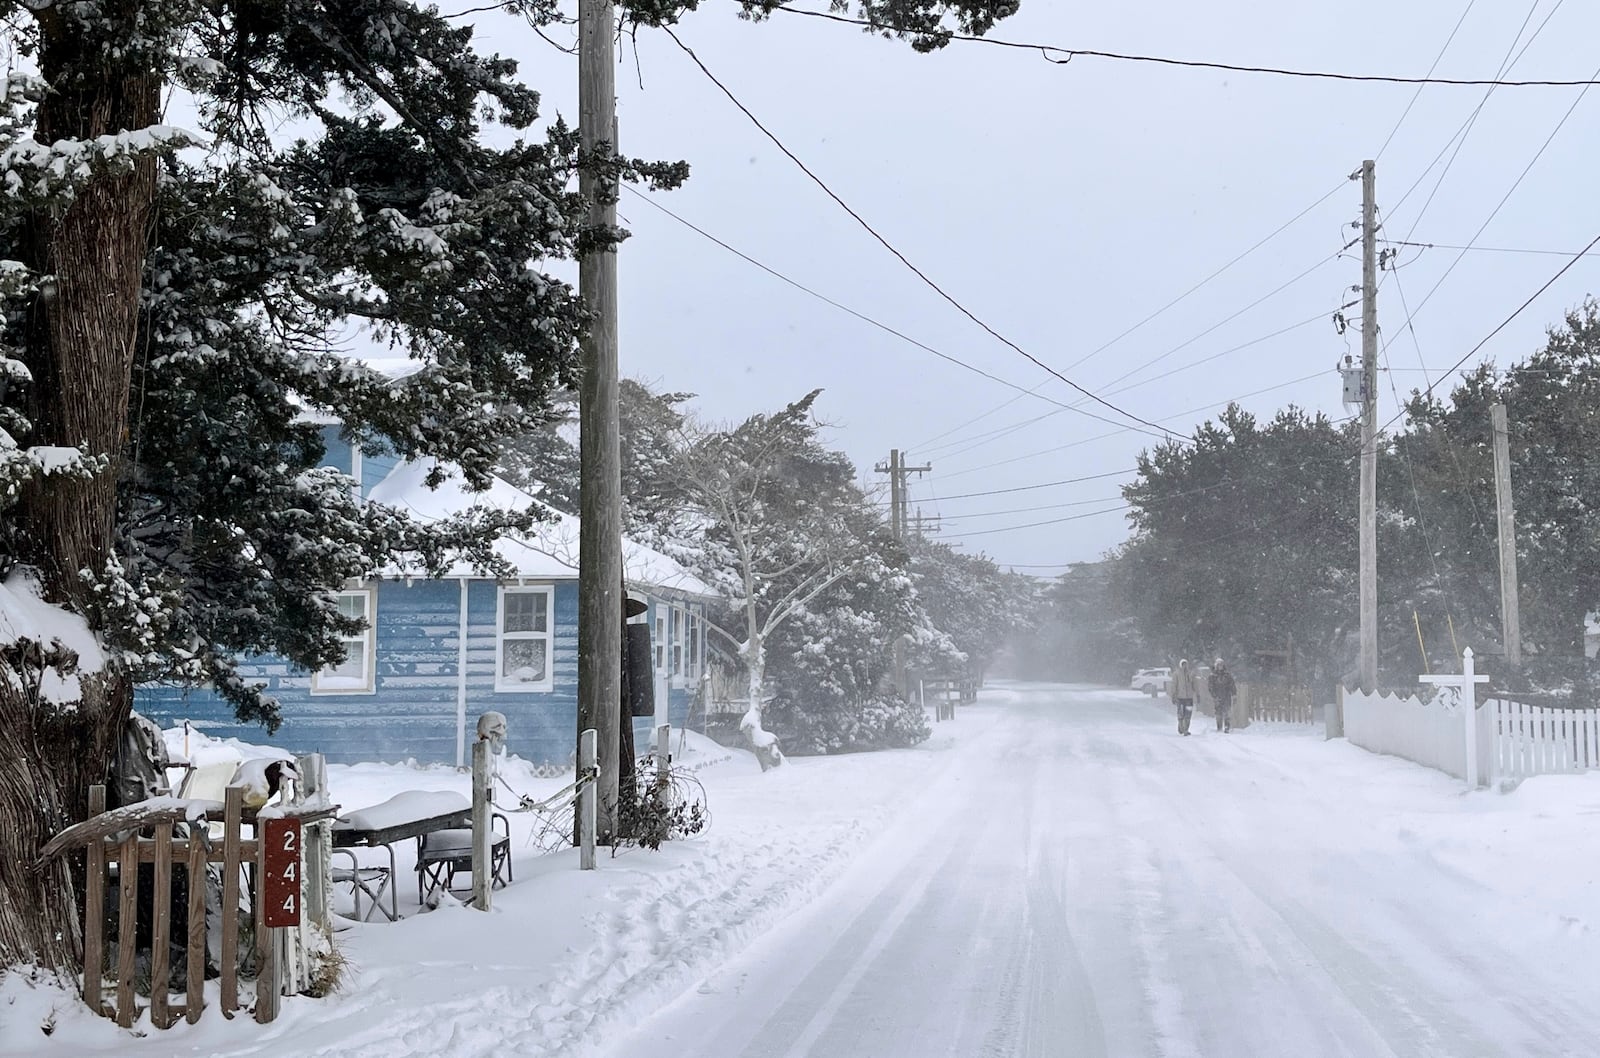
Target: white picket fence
{"type": "Point", "coordinates": [1514, 740]}
{"type": "Point", "coordinates": [1533, 740]}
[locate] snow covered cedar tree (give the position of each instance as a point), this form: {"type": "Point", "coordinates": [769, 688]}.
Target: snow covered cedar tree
{"type": "Point", "coordinates": [174, 299]}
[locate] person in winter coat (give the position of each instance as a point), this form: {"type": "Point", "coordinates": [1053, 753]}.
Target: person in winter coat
{"type": "Point", "coordinates": [1184, 689]}
{"type": "Point", "coordinates": [1223, 691]}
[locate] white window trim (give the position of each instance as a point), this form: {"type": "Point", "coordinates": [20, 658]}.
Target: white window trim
{"type": "Point", "coordinates": [695, 641]}
{"type": "Point", "coordinates": [548, 635]}
{"type": "Point", "coordinates": [369, 647]}
{"type": "Point", "coordinates": [677, 652]}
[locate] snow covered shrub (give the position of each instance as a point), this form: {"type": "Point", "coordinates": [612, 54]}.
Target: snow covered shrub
{"type": "Point", "coordinates": [880, 722]}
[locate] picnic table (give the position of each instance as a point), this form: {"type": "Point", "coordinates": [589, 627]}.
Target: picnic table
{"type": "Point", "coordinates": [413, 814]}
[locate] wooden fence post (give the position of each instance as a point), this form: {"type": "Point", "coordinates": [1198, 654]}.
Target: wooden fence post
{"type": "Point", "coordinates": [232, 820]}
{"type": "Point", "coordinates": [161, 929]}
{"type": "Point", "coordinates": [317, 843]}
{"type": "Point", "coordinates": [195, 965]}
{"type": "Point", "coordinates": [268, 941]}
{"type": "Point", "coordinates": [94, 909]}
{"type": "Point", "coordinates": [482, 871]}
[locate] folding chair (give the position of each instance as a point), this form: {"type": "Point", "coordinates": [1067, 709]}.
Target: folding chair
{"type": "Point", "coordinates": [443, 854]}
{"type": "Point", "coordinates": [372, 881]}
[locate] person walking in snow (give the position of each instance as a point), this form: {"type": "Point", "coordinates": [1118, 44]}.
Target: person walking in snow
{"type": "Point", "coordinates": [1223, 690]}
{"type": "Point", "coordinates": [1184, 688]}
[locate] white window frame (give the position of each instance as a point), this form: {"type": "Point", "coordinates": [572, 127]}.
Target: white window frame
{"type": "Point", "coordinates": [501, 685]}
{"type": "Point", "coordinates": [697, 634]}
{"type": "Point", "coordinates": [366, 642]}
{"type": "Point", "coordinates": [677, 655]}
{"type": "Point", "coordinates": [659, 639]}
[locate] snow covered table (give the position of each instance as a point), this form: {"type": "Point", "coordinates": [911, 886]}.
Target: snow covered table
{"type": "Point", "coordinates": [413, 814]}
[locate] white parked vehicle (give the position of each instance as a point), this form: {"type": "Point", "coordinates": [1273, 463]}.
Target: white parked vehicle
{"type": "Point", "coordinates": [1152, 681]}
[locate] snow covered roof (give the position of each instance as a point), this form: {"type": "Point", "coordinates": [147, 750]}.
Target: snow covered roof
{"type": "Point", "coordinates": [549, 550]}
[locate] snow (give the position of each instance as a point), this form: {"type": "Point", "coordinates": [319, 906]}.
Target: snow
{"type": "Point", "coordinates": [404, 808]}
{"type": "Point", "coordinates": [1054, 872]}
{"type": "Point", "coordinates": [24, 615]}
{"type": "Point", "coordinates": [550, 550]}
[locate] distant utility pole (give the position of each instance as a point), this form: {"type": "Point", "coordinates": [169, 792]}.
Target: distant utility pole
{"type": "Point", "coordinates": [1510, 617]}
{"type": "Point", "coordinates": [1369, 429]}
{"type": "Point", "coordinates": [899, 516]}
{"type": "Point", "coordinates": [600, 493]}
{"type": "Point", "coordinates": [922, 525]}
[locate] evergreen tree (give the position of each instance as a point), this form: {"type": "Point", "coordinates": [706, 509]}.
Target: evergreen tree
{"type": "Point", "coordinates": [174, 301]}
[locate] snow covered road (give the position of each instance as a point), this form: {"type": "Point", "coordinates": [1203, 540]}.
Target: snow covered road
{"type": "Point", "coordinates": [1081, 881]}
{"type": "Point", "coordinates": [1056, 873]}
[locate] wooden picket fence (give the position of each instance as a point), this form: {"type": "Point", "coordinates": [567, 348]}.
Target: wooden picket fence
{"type": "Point", "coordinates": [1275, 703]}
{"type": "Point", "coordinates": [162, 835]}
{"type": "Point", "coordinates": [946, 693]}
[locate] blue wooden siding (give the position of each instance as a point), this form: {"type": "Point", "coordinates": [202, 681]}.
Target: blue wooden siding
{"type": "Point", "coordinates": [412, 713]}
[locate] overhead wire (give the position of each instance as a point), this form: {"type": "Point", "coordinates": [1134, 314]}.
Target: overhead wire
{"type": "Point", "coordinates": [1048, 51]}
{"type": "Point", "coordinates": [1502, 325]}
{"type": "Point", "coordinates": [1461, 255]}
{"type": "Point", "coordinates": [1279, 230]}
{"type": "Point", "coordinates": [1437, 59]}
{"type": "Point", "coordinates": [864, 317]}
{"type": "Point", "coordinates": [901, 257]}
{"type": "Point", "coordinates": [1460, 139]}
{"type": "Point", "coordinates": [1101, 437]}
{"type": "Point", "coordinates": [974, 441]}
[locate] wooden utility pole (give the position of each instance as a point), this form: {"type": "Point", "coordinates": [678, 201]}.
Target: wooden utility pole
{"type": "Point", "coordinates": [897, 487]}
{"type": "Point", "coordinates": [600, 574]}
{"type": "Point", "coordinates": [922, 525]}
{"type": "Point", "coordinates": [1510, 617]}
{"type": "Point", "coordinates": [1369, 429]}
{"type": "Point", "coordinates": [899, 495]}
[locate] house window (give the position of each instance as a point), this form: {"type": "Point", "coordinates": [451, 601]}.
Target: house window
{"type": "Point", "coordinates": [695, 641]}
{"type": "Point", "coordinates": [661, 640]}
{"type": "Point", "coordinates": [679, 626]}
{"type": "Point", "coordinates": [523, 648]}
{"type": "Point", "coordinates": [354, 675]}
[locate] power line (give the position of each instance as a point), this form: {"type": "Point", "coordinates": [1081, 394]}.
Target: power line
{"type": "Point", "coordinates": [1501, 205]}
{"type": "Point", "coordinates": [935, 287]}
{"type": "Point", "coordinates": [1507, 63]}
{"type": "Point", "coordinates": [1032, 510]}
{"type": "Point", "coordinates": [1437, 59]}
{"type": "Point", "coordinates": [1050, 51]}
{"type": "Point", "coordinates": [1043, 484]}
{"type": "Point", "coordinates": [1035, 525]}
{"type": "Point", "coordinates": [979, 440]}
{"type": "Point", "coordinates": [868, 319]}
{"type": "Point", "coordinates": [1480, 249]}
{"type": "Point", "coordinates": [1158, 312]}
{"type": "Point", "coordinates": [1104, 436]}
{"type": "Point", "coordinates": [1472, 119]}
{"type": "Point", "coordinates": [1503, 324]}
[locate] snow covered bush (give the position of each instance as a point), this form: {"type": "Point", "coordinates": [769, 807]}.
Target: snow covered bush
{"type": "Point", "coordinates": [881, 722]}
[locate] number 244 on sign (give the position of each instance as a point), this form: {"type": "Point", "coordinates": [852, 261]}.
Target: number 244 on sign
{"type": "Point", "coordinates": [280, 882]}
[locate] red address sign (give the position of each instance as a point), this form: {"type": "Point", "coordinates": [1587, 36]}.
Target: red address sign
{"type": "Point", "coordinates": [280, 882]}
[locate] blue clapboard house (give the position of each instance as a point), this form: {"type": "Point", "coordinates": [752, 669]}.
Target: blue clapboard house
{"type": "Point", "coordinates": [438, 653]}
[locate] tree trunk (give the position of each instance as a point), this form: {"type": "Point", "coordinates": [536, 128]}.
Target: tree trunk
{"type": "Point", "coordinates": [52, 757]}
{"type": "Point", "coordinates": [81, 342]}
{"type": "Point", "coordinates": [763, 743]}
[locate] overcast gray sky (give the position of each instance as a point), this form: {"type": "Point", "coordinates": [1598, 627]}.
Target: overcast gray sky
{"type": "Point", "coordinates": [1065, 204]}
